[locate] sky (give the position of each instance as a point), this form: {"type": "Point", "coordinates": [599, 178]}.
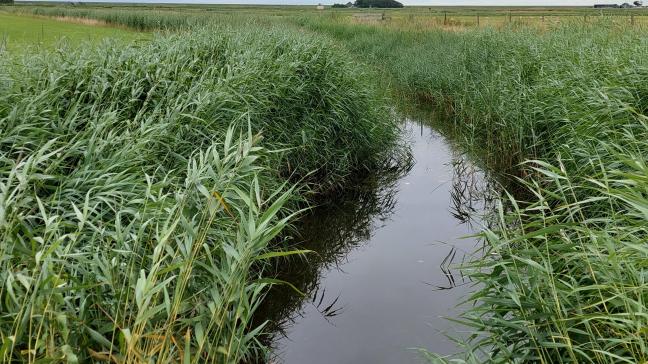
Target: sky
{"type": "Point", "coordinates": [406, 2]}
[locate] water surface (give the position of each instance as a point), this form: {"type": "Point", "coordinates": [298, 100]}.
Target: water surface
{"type": "Point", "coordinates": [383, 277]}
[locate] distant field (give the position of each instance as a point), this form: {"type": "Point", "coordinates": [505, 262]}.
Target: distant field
{"type": "Point", "coordinates": [529, 10]}
{"type": "Point", "coordinates": [422, 17]}
{"type": "Point", "coordinates": [487, 11]}
{"type": "Point", "coordinates": [411, 17]}
{"type": "Point", "coordinates": [20, 31]}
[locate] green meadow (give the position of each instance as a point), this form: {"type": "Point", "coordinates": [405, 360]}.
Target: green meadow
{"type": "Point", "coordinates": [146, 182]}
{"type": "Point", "coordinates": [18, 32]}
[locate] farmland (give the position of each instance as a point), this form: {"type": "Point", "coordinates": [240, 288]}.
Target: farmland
{"type": "Point", "coordinates": [20, 32]}
{"type": "Point", "coordinates": [150, 183]}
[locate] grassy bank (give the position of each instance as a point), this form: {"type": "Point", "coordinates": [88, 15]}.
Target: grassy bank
{"type": "Point", "coordinates": [565, 275]}
{"type": "Point", "coordinates": [141, 186]}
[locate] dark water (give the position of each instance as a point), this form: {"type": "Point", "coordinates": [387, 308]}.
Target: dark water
{"type": "Point", "coordinates": [384, 275]}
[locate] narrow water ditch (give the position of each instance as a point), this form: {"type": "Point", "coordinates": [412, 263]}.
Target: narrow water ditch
{"type": "Point", "coordinates": [383, 278]}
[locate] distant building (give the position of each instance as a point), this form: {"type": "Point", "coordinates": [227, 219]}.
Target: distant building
{"type": "Point", "coordinates": [320, 7]}
{"type": "Point", "coordinates": [606, 6]}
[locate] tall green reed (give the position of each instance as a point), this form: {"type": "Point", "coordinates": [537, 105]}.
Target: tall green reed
{"type": "Point", "coordinates": [141, 20]}
{"type": "Point", "coordinates": [141, 187]}
{"type": "Point", "coordinates": [565, 110]}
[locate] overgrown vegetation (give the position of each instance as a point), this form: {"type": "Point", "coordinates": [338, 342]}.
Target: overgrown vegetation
{"type": "Point", "coordinates": [140, 187]}
{"type": "Point", "coordinates": [135, 19]}
{"type": "Point", "coordinates": [91, 186]}
{"type": "Point", "coordinates": [564, 278]}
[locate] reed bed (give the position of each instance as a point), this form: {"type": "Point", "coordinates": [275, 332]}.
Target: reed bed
{"type": "Point", "coordinates": [564, 275]}
{"type": "Point", "coordinates": [135, 19]}
{"type": "Point", "coordinates": [141, 187]}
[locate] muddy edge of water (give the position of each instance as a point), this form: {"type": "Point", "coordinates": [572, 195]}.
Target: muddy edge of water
{"type": "Point", "coordinates": [383, 274]}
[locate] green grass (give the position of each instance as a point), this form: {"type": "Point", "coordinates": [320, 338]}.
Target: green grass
{"type": "Point", "coordinates": [142, 185]}
{"type": "Point", "coordinates": [18, 32]}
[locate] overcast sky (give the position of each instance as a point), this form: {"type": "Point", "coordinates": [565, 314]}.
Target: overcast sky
{"type": "Point", "coordinates": [406, 2]}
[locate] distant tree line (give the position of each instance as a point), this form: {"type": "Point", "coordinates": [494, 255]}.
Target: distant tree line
{"type": "Point", "coordinates": [378, 4]}
{"type": "Point", "coordinates": [6, 1]}
{"type": "Point", "coordinates": [370, 4]}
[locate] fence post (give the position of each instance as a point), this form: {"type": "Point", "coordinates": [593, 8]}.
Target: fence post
{"type": "Point", "coordinates": [477, 20]}
{"type": "Point", "coordinates": [445, 18]}
{"type": "Point", "coordinates": [632, 19]}
{"type": "Point", "coordinates": [509, 16]}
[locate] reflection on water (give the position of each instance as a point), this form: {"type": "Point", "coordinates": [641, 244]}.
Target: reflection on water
{"type": "Point", "coordinates": [331, 230]}
{"type": "Point", "coordinates": [384, 272]}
